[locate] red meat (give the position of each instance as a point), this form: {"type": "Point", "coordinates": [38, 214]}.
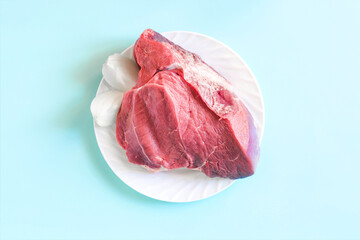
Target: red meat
{"type": "Point", "coordinates": [182, 113]}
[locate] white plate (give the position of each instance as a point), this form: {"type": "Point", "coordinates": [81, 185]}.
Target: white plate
{"type": "Point", "coordinates": [184, 185]}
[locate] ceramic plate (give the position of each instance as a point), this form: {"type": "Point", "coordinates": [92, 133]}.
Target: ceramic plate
{"type": "Point", "coordinates": [184, 185]}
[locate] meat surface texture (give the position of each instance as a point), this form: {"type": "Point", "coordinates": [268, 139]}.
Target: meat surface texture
{"type": "Point", "coordinates": [183, 114]}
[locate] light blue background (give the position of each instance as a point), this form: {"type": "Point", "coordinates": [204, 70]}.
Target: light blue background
{"type": "Point", "coordinates": [55, 183]}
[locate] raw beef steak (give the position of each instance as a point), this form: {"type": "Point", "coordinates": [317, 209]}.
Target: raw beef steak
{"type": "Point", "coordinates": [182, 113]}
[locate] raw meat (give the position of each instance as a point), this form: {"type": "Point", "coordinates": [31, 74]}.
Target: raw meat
{"type": "Point", "coordinates": [182, 113]}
